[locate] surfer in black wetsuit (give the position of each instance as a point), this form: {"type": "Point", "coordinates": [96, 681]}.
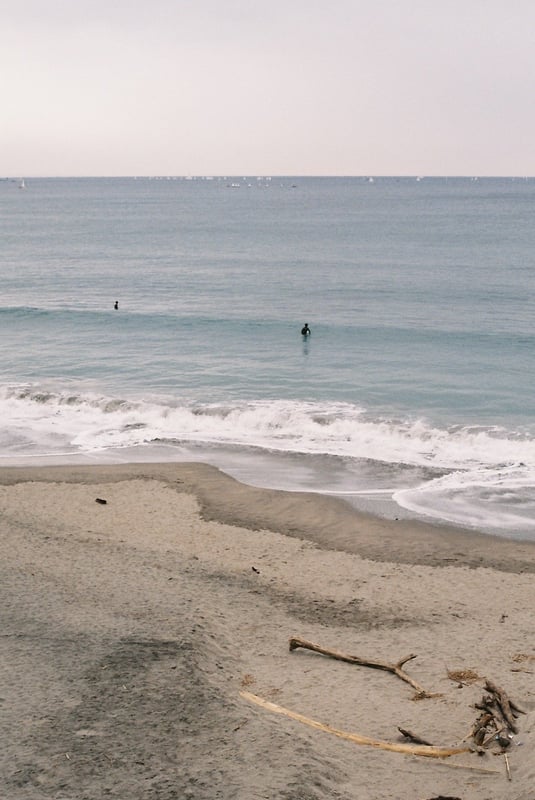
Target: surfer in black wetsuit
{"type": "Point", "coordinates": [116, 305]}
{"type": "Point", "coordinates": [305, 330]}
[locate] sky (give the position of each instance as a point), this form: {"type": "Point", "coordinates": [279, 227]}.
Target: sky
{"type": "Point", "coordinates": [267, 87]}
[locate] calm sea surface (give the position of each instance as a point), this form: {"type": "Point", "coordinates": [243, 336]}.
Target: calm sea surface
{"type": "Point", "coordinates": [414, 395]}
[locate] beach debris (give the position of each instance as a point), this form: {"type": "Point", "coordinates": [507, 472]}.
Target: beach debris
{"type": "Point", "coordinates": [413, 737]}
{"type": "Point", "coordinates": [478, 731]}
{"type": "Point", "coordinates": [256, 570]}
{"type": "Point", "coordinates": [507, 767]}
{"type": "Point", "coordinates": [500, 708]}
{"type": "Point", "coordinates": [522, 658]}
{"type": "Point", "coordinates": [101, 501]}
{"type": "Point", "coordinates": [396, 669]}
{"type": "Point", "coordinates": [463, 677]}
{"type": "Point", "coordinates": [445, 797]}
{"type": "Point", "coordinates": [497, 724]}
{"type": "Point", "coordinates": [504, 704]}
{"type": "Point", "coordinates": [409, 749]}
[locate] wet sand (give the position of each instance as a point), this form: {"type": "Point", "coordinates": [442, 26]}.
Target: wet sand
{"type": "Point", "coordinates": [130, 628]}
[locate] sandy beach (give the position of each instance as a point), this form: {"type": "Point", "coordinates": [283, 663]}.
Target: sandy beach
{"type": "Point", "coordinates": [137, 632]}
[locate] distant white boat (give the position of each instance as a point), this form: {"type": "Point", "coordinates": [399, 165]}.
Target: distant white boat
{"type": "Point", "coordinates": [22, 185]}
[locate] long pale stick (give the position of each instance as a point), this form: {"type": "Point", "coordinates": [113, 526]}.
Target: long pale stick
{"type": "Point", "coordinates": [410, 749]}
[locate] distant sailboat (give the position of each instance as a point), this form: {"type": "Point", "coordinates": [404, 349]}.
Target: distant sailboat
{"type": "Point", "coordinates": [22, 185]}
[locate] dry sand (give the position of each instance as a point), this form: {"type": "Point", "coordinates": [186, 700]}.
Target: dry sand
{"type": "Point", "coordinates": [129, 629]}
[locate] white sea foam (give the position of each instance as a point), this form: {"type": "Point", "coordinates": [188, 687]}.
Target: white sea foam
{"type": "Point", "coordinates": [486, 476]}
{"type": "Point", "coordinates": [499, 498]}
{"type": "Point", "coordinates": [92, 422]}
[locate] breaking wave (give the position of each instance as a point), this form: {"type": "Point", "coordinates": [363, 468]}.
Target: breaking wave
{"type": "Point", "coordinates": [476, 473]}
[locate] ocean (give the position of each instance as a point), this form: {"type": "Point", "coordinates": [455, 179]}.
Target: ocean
{"type": "Point", "coordinates": [414, 395]}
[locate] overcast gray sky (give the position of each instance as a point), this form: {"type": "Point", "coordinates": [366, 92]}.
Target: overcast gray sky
{"type": "Point", "coordinates": [267, 87]}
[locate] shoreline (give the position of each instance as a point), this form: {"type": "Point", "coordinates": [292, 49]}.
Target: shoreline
{"type": "Point", "coordinates": [135, 631]}
{"type": "Point", "coordinates": [331, 523]}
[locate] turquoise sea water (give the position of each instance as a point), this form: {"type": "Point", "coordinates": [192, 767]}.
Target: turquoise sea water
{"type": "Point", "coordinates": [414, 394]}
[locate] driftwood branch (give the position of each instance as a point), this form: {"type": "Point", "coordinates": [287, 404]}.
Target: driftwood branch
{"type": "Point", "coordinates": [503, 702]}
{"type": "Point", "coordinates": [413, 737]}
{"type": "Point", "coordinates": [497, 723]}
{"type": "Point", "coordinates": [408, 749]}
{"type": "Point", "coordinates": [396, 669]}
{"type": "Point", "coordinates": [478, 731]}
{"type": "Point", "coordinates": [493, 727]}
{"type": "Point", "coordinates": [492, 707]}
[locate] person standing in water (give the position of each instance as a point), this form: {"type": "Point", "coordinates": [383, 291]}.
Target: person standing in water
{"type": "Point", "coordinates": [305, 330]}
{"type": "Point", "coordinates": [116, 305]}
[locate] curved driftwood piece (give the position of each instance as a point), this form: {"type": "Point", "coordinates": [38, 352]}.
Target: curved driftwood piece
{"type": "Point", "coordinates": [396, 669]}
{"type": "Point", "coordinates": [504, 704]}
{"type": "Point", "coordinates": [408, 749]}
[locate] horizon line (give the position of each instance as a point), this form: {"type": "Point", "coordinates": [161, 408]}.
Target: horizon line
{"type": "Point", "coordinates": [265, 176]}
